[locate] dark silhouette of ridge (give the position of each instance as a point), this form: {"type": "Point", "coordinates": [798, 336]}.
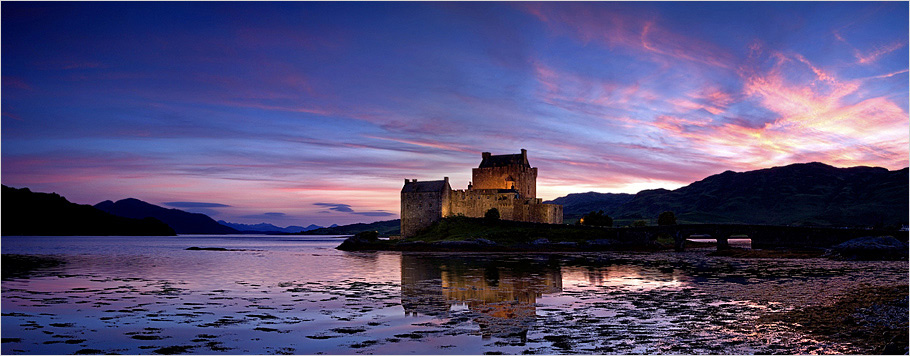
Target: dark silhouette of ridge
{"type": "Point", "coordinates": [267, 228]}
{"type": "Point", "coordinates": [576, 205]}
{"type": "Point", "coordinates": [385, 228]}
{"type": "Point", "coordinates": [797, 194]}
{"type": "Point", "coordinates": [35, 214]}
{"type": "Point", "coordinates": [181, 221]}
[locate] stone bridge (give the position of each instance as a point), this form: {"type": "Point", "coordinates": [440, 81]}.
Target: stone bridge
{"type": "Point", "coordinates": [762, 236]}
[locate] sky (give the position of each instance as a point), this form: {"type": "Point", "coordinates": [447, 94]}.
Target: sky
{"type": "Point", "coordinates": [298, 113]}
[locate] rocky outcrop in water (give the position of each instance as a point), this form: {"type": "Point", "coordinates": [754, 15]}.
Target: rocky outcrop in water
{"type": "Point", "coordinates": [871, 248]}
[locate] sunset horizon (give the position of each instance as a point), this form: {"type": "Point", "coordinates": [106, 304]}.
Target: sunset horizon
{"type": "Point", "coordinates": [313, 113]}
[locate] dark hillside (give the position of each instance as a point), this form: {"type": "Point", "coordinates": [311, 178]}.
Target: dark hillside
{"type": "Point", "coordinates": [36, 214]}
{"type": "Point", "coordinates": [801, 194]}
{"type": "Point", "coordinates": [181, 221]}
{"type": "Point", "coordinates": [385, 228]}
{"type": "Point", "coordinates": [578, 204]}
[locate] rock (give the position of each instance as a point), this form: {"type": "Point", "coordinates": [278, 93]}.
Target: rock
{"type": "Point", "coordinates": [457, 244]}
{"type": "Point", "coordinates": [470, 245]}
{"type": "Point", "coordinates": [413, 246]}
{"type": "Point", "coordinates": [368, 235]}
{"type": "Point", "coordinates": [871, 248]}
{"type": "Point", "coordinates": [366, 240]}
{"type": "Point", "coordinates": [539, 242]}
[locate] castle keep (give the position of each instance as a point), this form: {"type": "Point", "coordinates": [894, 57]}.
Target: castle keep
{"type": "Point", "coordinates": [505, 182]}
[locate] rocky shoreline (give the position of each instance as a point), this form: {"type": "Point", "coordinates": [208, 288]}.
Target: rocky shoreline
{"type": "Point", "coordinates": [874, 319]}
{"type": "Point", "coordinates": [369, 241]}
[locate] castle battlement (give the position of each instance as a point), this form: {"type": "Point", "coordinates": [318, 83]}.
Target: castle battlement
{"type": "Point", "coordinates": [505, 182]}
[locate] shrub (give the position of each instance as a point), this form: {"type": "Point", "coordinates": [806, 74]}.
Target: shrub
{"type": "Point", "coordinates": [666, 218]}
{"type": "Point", "coordinates": [491, 215]}
{"type": "Point", "coordinates": [597, 218]}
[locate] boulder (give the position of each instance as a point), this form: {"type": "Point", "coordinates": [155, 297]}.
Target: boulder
{"type": "Point", "coordinates": [469, 245]}
{"type": "Point", "coordinates": [603, 242]}
{"type": "Point", "coordinates": [457, 244]}
{"type": "Point", "coordinates": [366, 240]}
{"type": "Point", "coordinates": [871, 248]}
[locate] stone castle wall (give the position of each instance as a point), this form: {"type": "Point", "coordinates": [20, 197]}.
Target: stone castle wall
{"type": "Point", "coordinates": [506, 183]}
{"type": "Point", "coordinates": [476, 202]}
{"type": "Point", "coordinates": [419, 210]}
{"type": "Point", "coordinates": [524, 179]}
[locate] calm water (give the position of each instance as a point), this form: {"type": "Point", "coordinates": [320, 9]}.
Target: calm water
{"type": "Point", "coordinates": [281, 294]}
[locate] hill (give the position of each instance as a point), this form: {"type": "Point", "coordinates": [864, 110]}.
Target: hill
{"type": "Point", "coordinates": [577, 204]}
{"type": "Point", "coordinates": [266, 227]}
{"type": "Point", "coordinates": [29, 213]}
{"type": "Point", "coordinates": [181, 221]}
{"type": "Point", "coordinates": [385, 228]}
{"type": "Point", "coordinates": [797, 194]}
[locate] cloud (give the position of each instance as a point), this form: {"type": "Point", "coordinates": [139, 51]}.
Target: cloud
{"type": "Point", "coordinates": [613, 25]}
{"type": "Point", "coordinates": [192, 204]}
{"type": "Point", "coordinates": [878, 52]}
{"type": "Point", "coordinates": [345, 208]}
{"type": "Point", "coordinates": [269, 215]}
{"type": "Point", "coordinates": [15, 82]}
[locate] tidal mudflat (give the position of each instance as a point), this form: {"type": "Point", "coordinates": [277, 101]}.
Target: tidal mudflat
{"type": "Point", "coordinates": [298, 295]}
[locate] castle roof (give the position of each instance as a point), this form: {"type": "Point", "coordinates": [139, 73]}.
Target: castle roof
{"type": "Point", "coordinates": [426, 186]}
{"type": "Point", "coordinates": [504, 160]}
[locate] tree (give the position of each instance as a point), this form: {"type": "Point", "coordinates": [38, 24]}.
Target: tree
{"type": "Point", "coordinates": [491, 215]}
{"type": "Point", "coordinates": [597, 218]}
{"type": "Point", "coordinates": [639, 223]}
{"type": "Point", "coordinates": [666, 218]}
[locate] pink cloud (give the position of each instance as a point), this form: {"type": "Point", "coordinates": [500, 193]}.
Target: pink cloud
{"type": "Point", "coordinates": [429, 144]}
{"type": "Point", "coordinates": [876, 53]}
{"type": "Point", "coordinates": [69, 65]}
{"type": "Point", "coordinates": [12, 116]}
{"type": "Point", "coordinates": [613, 27]}
{"type": "Point", "coordinates": [14, 82]}
{"type": "Point", "coordinates": [580, 93]}
{"type": "Point", "coordinates": [816, 121]}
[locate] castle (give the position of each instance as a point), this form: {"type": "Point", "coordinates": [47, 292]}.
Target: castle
{"type": "Point", "coordinates": [505, 182]}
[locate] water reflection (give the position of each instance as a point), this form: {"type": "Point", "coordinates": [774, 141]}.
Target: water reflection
{"type": "Point", "coordinates": [624, 276]}
{"type": "Point", "coordinates": [500, 294]}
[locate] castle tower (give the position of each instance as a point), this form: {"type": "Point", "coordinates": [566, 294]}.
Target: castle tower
{"type": "Point", "coordinates": [505, 182]}
{"type": "Point", "coordinates": [423, 203]}
{"type": "Point", "coordinates": [506, 172]}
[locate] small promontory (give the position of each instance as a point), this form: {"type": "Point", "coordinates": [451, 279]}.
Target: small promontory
{"type": "Point", "coordinates": [477, 234]}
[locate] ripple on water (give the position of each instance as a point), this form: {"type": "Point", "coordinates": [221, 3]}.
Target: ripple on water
{"type": "Point", "coordinates": [290, 302]}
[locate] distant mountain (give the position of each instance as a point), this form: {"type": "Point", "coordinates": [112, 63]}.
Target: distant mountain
{"type": "Point", "coordinates": [577, 204]}
{"type": "Point", "coordinates": [265, 227]}
{"type": "Point", "coordinates": [181, 221]}
{"type": "Point", "coordinates": [797, 194]}
{"type": "Point", "coordinates": [28, 213]}
{"type": "Point", "coordinates": [385, 228]}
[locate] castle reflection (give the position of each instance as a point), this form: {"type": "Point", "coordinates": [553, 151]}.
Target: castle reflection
{"type": "Point", "coordinates": [500, 294]}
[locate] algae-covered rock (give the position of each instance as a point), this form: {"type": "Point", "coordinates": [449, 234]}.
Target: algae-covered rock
{"type": "Point", "coordinates": [871, 248]}
{"type": "Point", "coordinates": [367, 240]}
